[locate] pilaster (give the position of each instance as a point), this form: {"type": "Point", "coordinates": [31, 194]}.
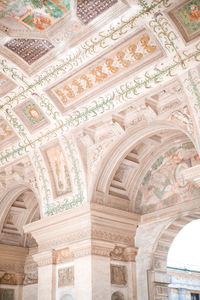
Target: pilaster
{"type": "Point", "coordinates": [96, 242]}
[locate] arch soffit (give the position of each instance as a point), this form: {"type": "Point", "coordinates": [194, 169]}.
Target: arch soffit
{"type": "Point", "coordinates": [10, 197]}
{"type": "Point", "coordinates": [167, 235]}
{"type": "Point", "coordinates": [114, 158]}
{"type": "Point", "coordinates": [148, 162]}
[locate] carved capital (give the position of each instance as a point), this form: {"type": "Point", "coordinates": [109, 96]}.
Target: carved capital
{"type": "Point", "coordinates": [12, 279]}
{"type": "Point", "coordinates": [63, 256]}
{"type": "Point", "coordinates": [92, 250]}
{"type": "Point", "coordinates": [91, 223]}
{"type": "Point", "coordinates": [45, 258]}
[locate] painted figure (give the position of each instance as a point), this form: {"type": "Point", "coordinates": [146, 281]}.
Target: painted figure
{"type": "Point", "coordinates": [194, 13]}
{"type": "Point", "coordinates": [59, 170]}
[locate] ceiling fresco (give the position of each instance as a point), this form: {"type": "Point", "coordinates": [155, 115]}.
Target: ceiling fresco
{"type": "Point", "coordinates": [33, 14]}
{"type": "Point", "coordinates": [163, 184]}
{"type": "Point", "coordinates": [187, 17]}
{"type": "Point", "coordinates": [78, 76]}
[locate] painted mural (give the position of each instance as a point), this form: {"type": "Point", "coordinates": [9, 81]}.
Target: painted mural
{"type": "Point", "coordinates": [187, 16]}
{"type": "Point", "coordinates": [58, 170]}
{"type": "Point", "coordinates": [6, 133]}
{"type": "Point", "coordinates": [134, 54]}
{"type": "Point", "coordinates": [35, 14]}
{"type": "Point", "coordinates": [6, 85]}
{"type": "Point", "coordinates": [163, 185]}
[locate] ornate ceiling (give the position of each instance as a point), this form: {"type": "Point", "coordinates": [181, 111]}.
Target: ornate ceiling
{"type": "Point", "coordinates": [98, 89]}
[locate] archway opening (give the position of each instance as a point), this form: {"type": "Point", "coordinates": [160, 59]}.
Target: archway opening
{"type": "Point", "coordinates": [183, 263]}
{"type": "Point", "coordinates": [18, 268]}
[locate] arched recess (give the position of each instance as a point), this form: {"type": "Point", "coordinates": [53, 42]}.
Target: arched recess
{"type": "Point", "coordinates": [19, 206]}
{"type": "Point", "coordinates": [124, 168]}
{"type": "Point", "coordinates": [158, 278]}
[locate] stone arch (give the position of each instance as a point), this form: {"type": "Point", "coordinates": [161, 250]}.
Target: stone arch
{"type": "Point", "coordinates": [120, 193]}
{"type": "Point", "coordinates": [158, 279]}
{"type": "Point", "coordinates": [117, 296]}
{"type": "Point", "coordinates": [19, 206]}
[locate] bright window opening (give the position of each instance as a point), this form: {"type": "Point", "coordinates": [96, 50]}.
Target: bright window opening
{"type": "Point", "coordinates": [184, 252]}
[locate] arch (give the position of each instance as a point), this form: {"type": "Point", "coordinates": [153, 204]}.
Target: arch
{"type": "Point", "coordinates": [158, 278]}
{"type": "Point", "coordinates": [117, 296]}
{"type": "Point", "coordinates": [19, 206]}
{"type": "Point", "coordinates": [125, 151]}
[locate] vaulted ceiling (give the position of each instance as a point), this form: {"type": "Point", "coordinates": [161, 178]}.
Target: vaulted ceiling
{"type": "Point", "coordinates": [93, 93]}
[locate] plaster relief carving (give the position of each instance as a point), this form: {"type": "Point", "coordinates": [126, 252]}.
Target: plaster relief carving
{"type": "Point", "coordinates": [183, 117]}
{"type": "Point", "coordinates": [161, 290]}
{"type": "Point", "coordinates": [117, 253]}
{"type": "Point", "coordinates": [9, 279]}
{"type": "Point", "coordinates": [63, 255]}
{"type": "Point", "coordinates": [6, 294]}
{"type": "Point", "coordinates": [134, 115]}
{"type": "Point", "coordinates": [31, 278]}
{"type": "Point", "coordinates": [97, 139]}
{"type": "Point", "coordinates": [66, 277]}
{"type": "Point", "coordinates": [167, 99]}
{"type": "Point", "coordinates": [119, 275]}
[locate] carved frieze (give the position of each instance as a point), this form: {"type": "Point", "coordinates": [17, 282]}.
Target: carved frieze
{"type": "Point", "coordinates": [66, 277]}
{"type": "Point", "coordinates": [117, 253]}
{"type": "Point", "coordinates": [119, 275]}
{"type": "Point", "coordinates": [6, 294]}
{"type": "Point", "coordinates": [9, 278]}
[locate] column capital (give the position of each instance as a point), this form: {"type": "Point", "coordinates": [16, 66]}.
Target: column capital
{"type": "Point", "coordinates": [91, 228]}
{"type": "Point", "coordinates": [45, 258]}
